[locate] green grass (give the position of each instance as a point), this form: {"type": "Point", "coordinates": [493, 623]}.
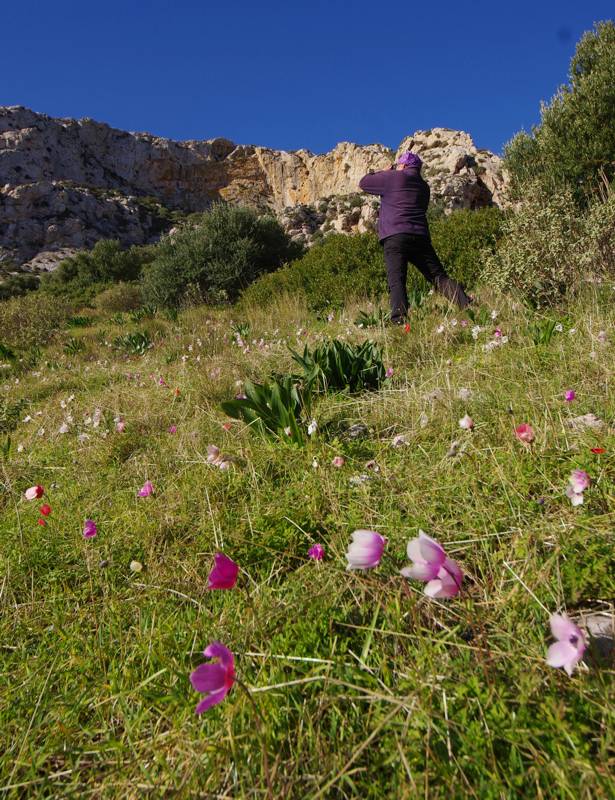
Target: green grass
{"type": "Point", "coordinates": [366, 687]}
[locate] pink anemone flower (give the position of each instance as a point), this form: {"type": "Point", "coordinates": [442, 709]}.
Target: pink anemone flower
{"type": "Point", "coordinates": [570, 395]}
{"type": "Point", "coordinates": [431, 564]}
{"type": "Point", "coordinates": [89, 529]}
{"type": "Point", "coordinates": [214, 680]}
{"type": "Point", "coordinates": [578, 482]}
{"type": "Point", "coordinates": [365, 550]}
{"type": "Point", "coordinates": [146, 489]}
{"type": "Point", "coordinates": [524, 433]}
{"type": "Point", "coordinates": [34, 493]}
{"type": "Point", "coordinates": [338, 461]}
{"type": "Point", "coordinates": [316, 552]}
{"type": "Point", "coordinates": [570, 645]}
{"type": "Point", "coordinates": [224, 573]}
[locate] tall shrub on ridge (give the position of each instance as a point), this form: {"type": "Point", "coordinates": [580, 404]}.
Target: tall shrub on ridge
{"type": "Point", "coordinates": [223, 253]}
{"type": "Point", "coordinates": [575, 140]}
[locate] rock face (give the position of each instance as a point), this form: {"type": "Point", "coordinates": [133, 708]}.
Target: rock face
{"type": "Point", "coordinates": [66, 183]}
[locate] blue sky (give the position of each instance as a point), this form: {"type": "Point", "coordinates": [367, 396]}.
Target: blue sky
{"type": "Point", "coordinates": [290, 75]}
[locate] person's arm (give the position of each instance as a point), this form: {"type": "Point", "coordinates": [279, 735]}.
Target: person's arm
{"type": "Point", "coordinates": [375, 182]}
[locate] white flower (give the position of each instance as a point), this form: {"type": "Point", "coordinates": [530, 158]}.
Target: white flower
{"type": "Point", "coordinates": [475, 331]}
{"type": "Point", "coordinates": [466, 422]}
{"type": "Point", "coordinates": [464, 394]}
{"type": "Point", "coordinates": [559, 327]}
{"type": "Point", "coordinates": [312, 427]}
{"type": "Point", "coordinates": [453, 323]}
{"type": "Point", "coordinates": [63, 428]}
{"type": "Point", "coordinates": [136, 566]}
{"type": "Point", "coordinates": [440, 329]}
{"type": "Point", "coordinates": [494, 314]}
{"type": "Point", "coordinates": [315, 464]}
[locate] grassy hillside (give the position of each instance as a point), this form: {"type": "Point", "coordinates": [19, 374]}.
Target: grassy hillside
{"type": "Point", "coordinates": [366, 687]}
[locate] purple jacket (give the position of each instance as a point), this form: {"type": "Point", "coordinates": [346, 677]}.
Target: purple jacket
{"type": "Point", "coordinates": [405, 197]}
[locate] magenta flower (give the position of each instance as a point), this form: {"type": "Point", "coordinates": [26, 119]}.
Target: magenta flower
{"type": "Point", "coordinates": [316, 552]}
{"type": "Point", "coordinates": [146, 489]}
{"type": "Point", "coordinates": [365, 550]}
{"type": "Point", "coordinates": [224, 574]}
{"type": "Point", "coordinates": [570, 395]}
{"type": "Point", "coordinates": [89, 529]}
{"type": "Point", "coordinates": [389, 372]}
{"type": "Point", "coordinates": [524, 433]}
{"type": "Point", "coordinates": [173, 429]}
{"type": "Point", "coordinates": [570, 645]}
{"type": "Point", "coordinates": [34, 493]}
{"type": "Point", "coordinates": [214, 680]}
{"type": "Point", "coordinates": [431, 564]}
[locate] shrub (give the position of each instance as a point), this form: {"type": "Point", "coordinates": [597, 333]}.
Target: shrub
{"type": "Point", "coordinates": [548, 246]}
{"type": "Point", "coordinates": [576, 136]}
{"type": "Point", "coordinates": [464, 238]}
{"type": "Point", "coordinates": [106, 262]}
{"type": "Point", "coordinates": [343, 267]}
{"type": "Point", "coordinates": [18, 285]}
{"type": "Point", "coordinates": [32, 320]}
{"type": "Point", "coordinates": [121, 297]}
{"type": "Point", "coordinates": [228, 248]}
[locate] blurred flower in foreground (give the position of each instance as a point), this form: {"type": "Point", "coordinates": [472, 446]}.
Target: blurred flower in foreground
{"type": "Point", "coordinates": [577, 484]}
{"type": "Point", "coordinates": [214, 680]}
{"type": "Point", "coordinates": [146, 489]}
{"type": "Point", "coordinates": [224, 573]}
{"type": "Point", "coordinates": [431, 564]}
{"type": "Point", "coordinates": [365, 550]}
{"type": "Point", "coordinates": [316, 552]}
{"type": "Point", "coordinates": [525, 433]}
{"type": "Point", "coordinates": [570, 645]}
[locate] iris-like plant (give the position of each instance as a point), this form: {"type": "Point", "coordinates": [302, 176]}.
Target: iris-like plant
{"type": "Point", "coordinates": [542, 332]}
{"type": "Point", "coordinates": [372, 319]}
{"type": "Point", "coordinates": [337, 366]}
{"type": "Point", "coordinates": [274, 407]}
{"type": "Point", "coordinates": [134, 343]}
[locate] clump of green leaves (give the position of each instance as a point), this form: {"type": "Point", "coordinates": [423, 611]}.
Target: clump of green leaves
{"type": "Point", "coordinates": [372, 319]}
{"type": "Point", "coordinates": [275, 407]}
{"type": "Point", "coordinates": [337, 366]}
{"type": "Point", "coordinates": [135, 343]}
{"type": "Point", "coordinates": [542, 331]}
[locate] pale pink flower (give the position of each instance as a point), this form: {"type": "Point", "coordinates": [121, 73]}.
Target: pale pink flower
{"type": "Point", "coordinates": [338, 461]}
{"type": "Point", "coordinates": [214, 680]}
{"type": "Point", "coordinates": [172, 428]}
{"type": "Point", "coordinates": [34, 493]}
{"type": "Point", "coordinates": [224, 573]}
{"type": "Point", "coordinates": [570, 645]}
{"type": "Point", "coordinates": [602, 337]}
{"type": "Point", "coordinates": [431, 564]}
{"type": "Point", "coordinates": [389, 372]}
{"type": "Point", "coordinates": [146, 490]}
{"type": "Point", "coordinates": [525, 433]}
{"type": "Point", "coordinates": [466, 422]}
{"type": "Point", "coordinates": [316, 552]}
{"type": "Point", "coordinates": [365, 550]}
{"type": "Point", "coordinates": [570, 395]}
{"type": "Point", "coordinates": [577, 484]}
{"type": "Point", "coordinates": [216, 458]}
{"type": "Point", "coordinates": [399, 440]}
{"type": "Point", "coordinates": [120, 426]}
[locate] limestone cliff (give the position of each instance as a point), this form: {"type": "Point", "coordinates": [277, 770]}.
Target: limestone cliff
{"type": "Point", "coordinates": [66, 183]}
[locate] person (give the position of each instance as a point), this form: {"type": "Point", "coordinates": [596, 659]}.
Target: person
{"type": "Point", "coordinates": [404, 232]}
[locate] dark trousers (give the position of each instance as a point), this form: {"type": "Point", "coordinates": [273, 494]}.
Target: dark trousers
{"type": "Point", "coordinates": [403, 247]}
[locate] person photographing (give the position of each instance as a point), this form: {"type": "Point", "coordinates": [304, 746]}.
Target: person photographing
{"type": "Point", "coordinates": [404, 233]}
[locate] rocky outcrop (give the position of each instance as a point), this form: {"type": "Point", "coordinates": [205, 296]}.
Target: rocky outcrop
{"type": "Point", "coordinates": [66, 183]}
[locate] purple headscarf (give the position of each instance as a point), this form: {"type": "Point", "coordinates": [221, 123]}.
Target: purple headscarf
{"type": "Point", "coordinates": [409, 159]}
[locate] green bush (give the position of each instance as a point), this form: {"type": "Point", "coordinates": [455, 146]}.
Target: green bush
{"type": "Point", "coordinates": [32, 320]}
{"type": "Point", "coordinates": [343, 267]}
{"type": "Point", "coordinates": [107, 262]}
{"type": "Point", "coordinates": [575, 139]}
{"type": "Point", "coordinates": [548, 246]}
{"type": "Point", "coordinates": [228, 248]}
{"type": "Point", "coordinates": [18, 285]}
{"type": "Point", "coordinates": [335, 366]}
{"type": "Point", "coordinates": [121, 297]}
